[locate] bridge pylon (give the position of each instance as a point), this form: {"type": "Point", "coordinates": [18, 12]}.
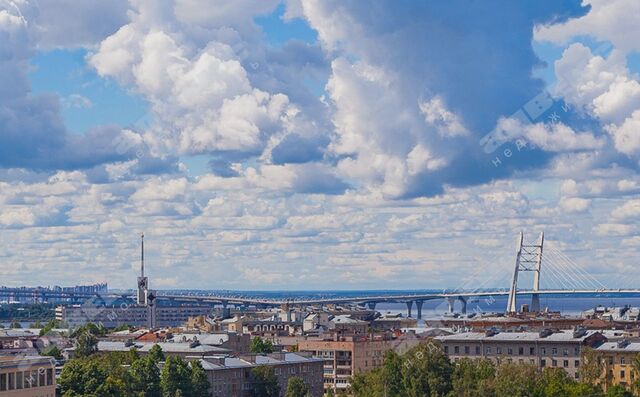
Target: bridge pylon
{"type": "Point", "coordinates": [528, 259]}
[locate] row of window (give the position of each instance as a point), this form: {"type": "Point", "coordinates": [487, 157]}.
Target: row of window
{"type": "Point", "coordinates": [26, 379]}
{"type": "Point", "coordinates": [521, 351]}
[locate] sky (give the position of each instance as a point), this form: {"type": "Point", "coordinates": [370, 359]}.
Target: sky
{"type": "Point", "coordinates": [316, 145]}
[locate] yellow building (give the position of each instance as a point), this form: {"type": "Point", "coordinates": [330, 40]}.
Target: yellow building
{"type": "Point", "coordinates": [617, 359]}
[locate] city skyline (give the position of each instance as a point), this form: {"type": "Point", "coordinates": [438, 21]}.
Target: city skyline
{"type": "Point", "coordinates": [315, 145]}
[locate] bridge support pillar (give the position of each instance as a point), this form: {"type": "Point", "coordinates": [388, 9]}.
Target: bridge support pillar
{"type": "Point", "coordinates": [409, 306]}
{"type": "Point", "coordinates": [371, 305]}
{"type": "Point", "coordinates": [419, 308]}
{"type": "Point", "coordinates": [451, 301]}
{"type": "Point", "coordinates": [464, 305]}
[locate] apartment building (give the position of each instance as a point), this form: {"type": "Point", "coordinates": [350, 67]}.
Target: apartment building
{"type": "Point", "coordinates": [345, 356]}
{"type": "Point", "coordinates": [618, 363]}
{"type": "Point", "coordinates": [232, 376]}
{"type": "Point", "coordinates": [561, 349]}
{"type": "Point", "coordinates": [27, 376]}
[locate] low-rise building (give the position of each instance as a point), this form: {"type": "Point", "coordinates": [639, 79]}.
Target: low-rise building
{"type": "Point", "coordinates": [546, 348]}
{"type": "Point", "coordinates": [348, 325]}
{"type": "Point", "coordinates": [27, 376]}
{"type": "Point", "coordinates": [232, 341]}
{"type": "Point", "coordinates": [193, 349]}
{"type": "Point", "coordinates": [233, 377]}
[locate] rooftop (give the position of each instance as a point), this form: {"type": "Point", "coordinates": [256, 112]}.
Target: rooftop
{"type": "Point", "coordinates": [563, 336]}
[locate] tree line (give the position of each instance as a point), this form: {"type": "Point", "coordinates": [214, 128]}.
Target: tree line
{"type": "Point", "coordinates": [127, 374]}
{"type": "Point", "coordinates": [426, 370]}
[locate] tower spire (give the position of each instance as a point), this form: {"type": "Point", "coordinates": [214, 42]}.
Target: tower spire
{"type": "Point", "coordinates": [142, 255]}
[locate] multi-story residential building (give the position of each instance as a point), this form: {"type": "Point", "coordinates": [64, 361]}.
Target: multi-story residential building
{"type": "Point", "coordinates": [27, 376]}
{"type": "Point", "coordinates": [560, 349]}
{"type": "Point", "coordinates": [232, 376]}
{"type": "Point", "coordinates": [618, 363]}
{"type": "Point", "coordinates": [345, 356]}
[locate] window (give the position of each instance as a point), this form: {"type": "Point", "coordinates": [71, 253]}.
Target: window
{"type": "Point", "coordinates": [565, 352]}
{"type": "Point", "coordinates": [622, 360]}
{"type": "Point", "coordinates": [577, 375]}
{"type": "Point", "coordinates": [509, 351]}
{"type": "Point", "coordinates": [554, 363]}
{"type": "Point", "coordinates": [477, 350]}
{"type": "Point", "coordinates": [577, 364]}
{"type": "Point", "coordinates": [456, 349]}
{"type": "Point", "coordinates": [446, 349]}
{"type": "Point", "coordinates": [3, 382]}
{"type": "Point", "coordinates": [488, 351]}
{"type": "Point", "coordinates": [498, 350]}
{"type": "Point", "coordinates": [466, 350]}
{"type": "Point", "coordinates": [521, 351]}
{"type": "Point", "coordinates": [622, 374]}
{"type": "Point", "coordinates": [543, 350]}
{"type": "Point", "coordinates": [565, 363]}
{"type": "Point", "coordinates": [554, 351]}
{"type": "Point", "coordinates": [11, 381]}
{"type": "Point", "coordinates": [543, 363]}
{"type": "Point", "coordinates": [576, 351]}
{"type": "Point", "coordinates": [532, 351]}
{"type": "Point", "coordinates": [19, 380]}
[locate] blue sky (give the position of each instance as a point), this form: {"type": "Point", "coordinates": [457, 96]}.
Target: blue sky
{"type": "Point", "coordinates": [266, 144]}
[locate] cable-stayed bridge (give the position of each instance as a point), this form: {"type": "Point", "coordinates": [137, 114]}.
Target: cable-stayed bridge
{"type": "Point", "coordinates": [553, 274]}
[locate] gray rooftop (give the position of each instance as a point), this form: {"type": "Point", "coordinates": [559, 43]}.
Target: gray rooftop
{"type": "Point", "coordinates": [633, 347]}
{"type": "Point", "coordinates": [166, 347]}
{"type": "Point", "coordinates": [564, 336]}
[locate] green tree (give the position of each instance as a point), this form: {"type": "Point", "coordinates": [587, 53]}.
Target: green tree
{"type": "Point", "coordinates": [52, 351]}
{"type": "Point", "coordinates": [265, 382]}
{"type": "Point", "coordinates": [175, 377]}
{"type": "Point", "coordinates": [49, 326]}
{"type": "Point", "coordinates": [86, 344]}
{"type": "Point", "coordinates": [426, 371]}
{"type": "Point", "coordinates": [618, 391]}
{"type": "Point", "coordinates": [146, 377]}
{"type": "Point", "coordinates": [368, 384]}
{"type": "Point", "coordinates": [515, 380]}
{"type": "Point", "coordinates": [297, 388]}
{"type": "Point", "coordinates": [15, 324]}
{"type": "Point", "coordinates": [156, 354]}
{"type": "Point", "coordinates": [199, 381]}
{"type": "Point", "coordinates": [82, 377]}
{"type": "Point", "coordinates": [258, 345]}
{"type": "Point", "coordinates": [554, 382]}
{"type": "Point", "coordinates": [591, 367]}
{"type": "Point", "coordinates": [635, 364]}
{"type": "Point", "coordinates": [473, 378]}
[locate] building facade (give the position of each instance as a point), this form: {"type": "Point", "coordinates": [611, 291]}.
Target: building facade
{"type": "Point", "coordinates": [542, 349]}
{"type": "Point", "coordinates": [617, 360]}
{"type": "Point", "coordinates": [232, 376]}
{"type": "Point", "coordinates": [346, 356]}
{"type": "Point", "coordinates": [118, 313]}
{"type": "Point", "coordinates": [27, 376]}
